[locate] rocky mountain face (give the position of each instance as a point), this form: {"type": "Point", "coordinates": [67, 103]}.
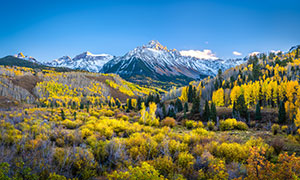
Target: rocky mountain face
{"type": "Point", "coordinates": [159, 63]}
{"type": "Point", "coordinates": [85, 61]}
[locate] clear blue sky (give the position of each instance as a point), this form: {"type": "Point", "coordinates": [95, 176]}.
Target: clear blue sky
{"type": "Point", "coordinates": [48, 29]}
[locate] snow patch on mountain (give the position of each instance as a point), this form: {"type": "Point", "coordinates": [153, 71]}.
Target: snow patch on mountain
{"type": "Point", "coordinates": [85, 61]}
{"type": "Point", "coordinates": [160, 60]}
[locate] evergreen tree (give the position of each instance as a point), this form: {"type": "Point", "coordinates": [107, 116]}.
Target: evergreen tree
{"type": "Point", "coordinates": [139, 103]}
{"type": "Point", "coordinates": [190, 94]}
{"type": "Point", "coordinates": [157, 99]}
{"type": "Point", "coordinates": [206, 114]}
{"type": "Point", "coordinates": [129, 105]}
{"type": "Point", "coordinates": [118, 103]}
{"type": "Point", "coordinates": [257, 112]}
{"type": "Point", "coordinates": [62, 114]}
{"type": "Point", "coordinates": [178, 105]}
{"type": "Point", "coordinates": [186, 107]}
{"type": "Point", "coordinates": [213, 112]}
{"type": "Point", "coordinates": [74, 114]}
{"type": "Point", "coordinates": [241, 107]}
{"type": "Point", "coordinates": [171, 113]}
{"type": "Point", "coordinates": [297, 53]}
{"type": "Point", "coordinates": [81, 106]}
{"type": "Point", "coordinates": [196, 105]}
{"type": "Point", "coordinates": [281, 113]}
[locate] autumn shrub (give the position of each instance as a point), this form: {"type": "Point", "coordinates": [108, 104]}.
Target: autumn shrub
{"type": "Point", "coordinates": [241, 126]}
{"type": "Point", "coordinates": [198, 150]}
{"type": "Point", "coordinates": [227, 124]}
{"type": "Point", "coordinates": [211, 125]}
{"type": "Point", "coordinates": [164, 165]}
{"type": "Point", "coordinates": [229, 151]}
{"type": "Point", "coordinates": [230, 124]}
{"type": "Point", "coordinates": [4, 169]}
{"type": "Point", "coordinates": [284, 128]}
{"type": "Point", "coordinates": [176, 147]}
{"type": "Point", "coordinates": [185, 162]}
{"type": "Point", "coordinates": [216, 170]}
{"type": "Point", "coordinates": [190, 124]}
{"type": "Point", "coordinates": [275, 128]}
{"type": "Point", "coordinates": [168, 121]}
{"type": "Point", "coordinates": [145, 171]}
{"type": "Point", "coordinates": [54, 176]}
{"type": "Point", "coordinates": [80, 161]}
{"type": "Point", "coordinates": [71, 124]}
{"type": "Point", "coordinates": [141, 146]}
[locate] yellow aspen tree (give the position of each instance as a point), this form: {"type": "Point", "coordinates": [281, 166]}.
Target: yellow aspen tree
{"type": "Point", "coordinates": [255, 94]}
{"type": "Point", "coordinates": [218, 97]}
{"type": "Point", "coordinates": [199, 89]}
{"type": "Point", "coordinates": [297, 120]}
{"type": "Point", "coordinates": [247, 93]}
{"type": "Point", "coordinates": [133, 103]}
{"type": "Point", "coordinates": [281, 90]}
{"type": "Point", "coordinates": [144, 114]}
{"type": "Point", "coordinates": [274, 86]}
{"type": "Point", "coordinates": [152, 120]}
{"type": "Point", "coordinates": [184, 93]}
{"type": "Point", "coordinates": [235, 94]}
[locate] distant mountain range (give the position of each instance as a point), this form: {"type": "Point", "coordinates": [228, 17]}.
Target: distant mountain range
{"type": "Point", "coordinates": [85, 61]}
{"type": "Point", "coordinates": [159, 63]}
{"type": "Point", "coordinates": [151, 61]}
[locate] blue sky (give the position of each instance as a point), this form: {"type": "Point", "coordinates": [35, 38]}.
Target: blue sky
{"type": "Point", "coordinates": [48, 29]}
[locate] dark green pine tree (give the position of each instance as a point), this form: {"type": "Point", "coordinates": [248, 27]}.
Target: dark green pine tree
{"type": "Point", "coordinates": [281, 113]}
{"type": "Point", "coordinates": [257, 112]}
{"type": "Point", "coordinates": [178, 105]}
{"type": "Point", "coordinates": [196, 105]}
{"type": "Point", "coordinates": [213, 112]}
{"type": "Point", "coordinates": [157, 99]}
{"type": "Point", "coordinates": [118, 103]}
{"type": "Point", "coordinates": [190, 94]}
{"type": "Point", "coordinates": [172, 113]}
{"type": "Point", "coordinates": [297, 53]}
{"type": "Point", "coordinates": [62, 114]}
{"type": "Point", "coordinates": [74, 114]}
{"type": "Point", "coordinates": [139, 103]}
{"type": "Point", "coordinates": [206, 114]}
{"type": "Point", "coordinates": [129, 105]}
{"type": "Point", "coordinates": [186, 107]}
{"type": "Point", "coordinates": [241, 107]}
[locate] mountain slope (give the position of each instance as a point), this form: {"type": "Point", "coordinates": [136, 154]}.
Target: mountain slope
{"type": "Point", "coordinates": [159, 63]}
{"type": "Point", "coordinates": [14, 61]}
{"type": "Point", "coordinates": [85, 61]}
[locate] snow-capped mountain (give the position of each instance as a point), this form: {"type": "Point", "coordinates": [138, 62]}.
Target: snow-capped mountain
{"type": "Point", "coordinates": [27, 58]}
{"type": "Point", "coordinates": [85, 61]}
{"type": "Point", "coordinates": [157, 62]}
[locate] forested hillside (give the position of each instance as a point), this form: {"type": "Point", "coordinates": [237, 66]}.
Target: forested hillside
{"type": "Point", "coordinates": [242, 124]}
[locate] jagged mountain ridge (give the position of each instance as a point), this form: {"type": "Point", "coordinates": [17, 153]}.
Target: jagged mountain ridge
{"type": "Point", "coordinates": [152, 60]}
{"type": "Point", "coordinates": [85, 61]}
{"type": "Point", "coordinates": [156, 61]}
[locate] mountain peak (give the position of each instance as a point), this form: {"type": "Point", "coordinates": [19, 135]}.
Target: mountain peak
{"type": "Point", "coordinates": [154, 44]}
